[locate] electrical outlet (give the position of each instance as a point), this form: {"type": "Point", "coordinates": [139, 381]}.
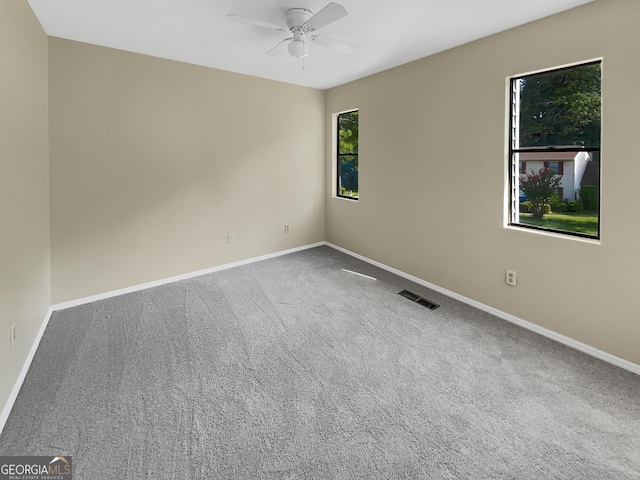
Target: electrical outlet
{"type": "Point", "coordinates": [230, 237]}
{"type": "Point", "coordinates": [511, 278]}
{"type": "Point", "coordinates": [287, 227]}
{"type": "Point", "coordinates": [12, 335]}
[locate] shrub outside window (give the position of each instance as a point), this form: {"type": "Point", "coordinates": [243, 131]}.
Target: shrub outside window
{"type": "Point", "coordinates": [554, 150]}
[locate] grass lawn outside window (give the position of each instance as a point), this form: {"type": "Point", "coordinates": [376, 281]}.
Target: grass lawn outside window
{"type": "Point", "coordinates": [586, 223]}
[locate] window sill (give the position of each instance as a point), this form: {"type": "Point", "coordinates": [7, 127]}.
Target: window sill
{"type": "Point", "coordinates": [348, 199]}
{"type": "Point", "coordinates": [592, 241]}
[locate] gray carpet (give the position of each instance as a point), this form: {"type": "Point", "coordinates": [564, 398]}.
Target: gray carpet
{"type": "Point", "coordinates": [292, 368]}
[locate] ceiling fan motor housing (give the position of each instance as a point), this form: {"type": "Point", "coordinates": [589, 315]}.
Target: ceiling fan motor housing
{"type": "Point", "coordinates": [297, 17]}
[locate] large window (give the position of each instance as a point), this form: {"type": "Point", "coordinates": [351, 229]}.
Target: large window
{"type": "Point", "coordinates": [347, 155]}
{"type": "Point", "coordinates": [554, 150]}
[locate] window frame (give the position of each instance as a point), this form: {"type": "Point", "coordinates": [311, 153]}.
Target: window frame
{"type": "Point", "coordinates": [513, 162]}
{"type": "Point", "coordinates": [338, 184]}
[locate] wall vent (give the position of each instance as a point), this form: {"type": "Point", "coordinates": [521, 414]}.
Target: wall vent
{"type": "Point", "coordinates": [418, 299]}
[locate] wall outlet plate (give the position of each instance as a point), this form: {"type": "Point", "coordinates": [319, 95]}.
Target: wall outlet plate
{"type": "Point", "coordinates": [511, 278]}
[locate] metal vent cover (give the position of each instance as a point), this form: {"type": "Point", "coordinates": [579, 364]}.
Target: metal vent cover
{"type": "Point", "coordinates": [418, 299]}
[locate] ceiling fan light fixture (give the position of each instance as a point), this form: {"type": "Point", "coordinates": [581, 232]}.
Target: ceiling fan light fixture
{"type": "Point", "coordinates": [298, 49]}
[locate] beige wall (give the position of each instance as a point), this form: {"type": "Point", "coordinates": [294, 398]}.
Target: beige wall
{"type": "Point", "coordinates": [153, 162]}
{"type": "Point", "coordinates": [433, 178]}
{"type": "Point", "coordinates": [25, 279]}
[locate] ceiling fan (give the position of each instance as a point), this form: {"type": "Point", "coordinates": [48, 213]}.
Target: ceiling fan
{"type": "Point", "coordinates": [302, 23]}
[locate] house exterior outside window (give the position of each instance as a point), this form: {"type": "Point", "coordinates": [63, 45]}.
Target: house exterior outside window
{"type": "Point", "coordinates": [570, 166]}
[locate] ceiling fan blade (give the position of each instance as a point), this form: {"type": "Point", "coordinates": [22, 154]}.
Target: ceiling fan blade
{"type": "Point", "coordinates": [280, 47]}
{"type": "Point", "coordinates": [327, 15]}
{"type": "Point", "coordinates": [252, 21]}
{"type": "Point", "coordinates": [340, 47]}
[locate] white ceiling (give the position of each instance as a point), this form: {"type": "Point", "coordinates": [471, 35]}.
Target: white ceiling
{"type": "Point", "coordinates": [387, 33]}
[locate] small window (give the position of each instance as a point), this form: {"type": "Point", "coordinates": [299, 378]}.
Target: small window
{"type": "Point", "coordinates": [523, 167]}
{"type": "Point", "coordinates": [557, 168]}
{"type": "Point", "coordinates": [554, 150]}
{"type": "Point", "coordinates": [347, 155]}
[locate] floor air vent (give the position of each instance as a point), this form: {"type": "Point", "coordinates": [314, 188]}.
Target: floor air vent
{"type": "Point", "coordinates": [418, 299]}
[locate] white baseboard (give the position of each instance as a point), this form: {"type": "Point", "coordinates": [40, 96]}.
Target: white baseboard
{"type": "Point", "coordinates": [4, 416]}
{"type": "Point", "coordinates": [176, 278]}
{"type": "Point", "coordinates": [632, 367]}
{"type": "Point", "coordinates": [545, 332]}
